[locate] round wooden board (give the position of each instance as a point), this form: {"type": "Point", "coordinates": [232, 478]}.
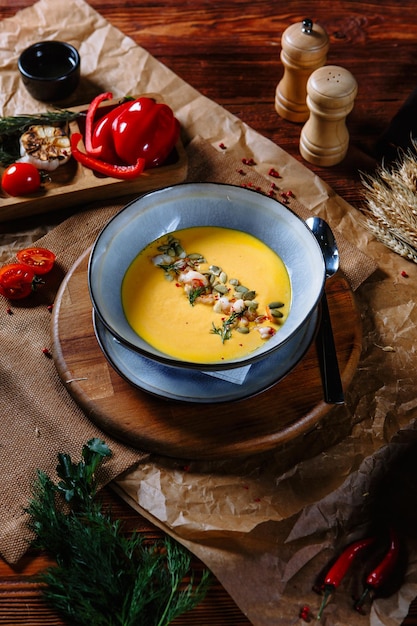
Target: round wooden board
{"type": "Point", "coordinates": [187, 430]}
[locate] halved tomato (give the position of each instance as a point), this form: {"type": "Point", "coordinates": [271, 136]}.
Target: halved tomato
{"type": "Point", "coordinates": [17, 281]}
{"type": "Point", "coordinates": [40, 260]}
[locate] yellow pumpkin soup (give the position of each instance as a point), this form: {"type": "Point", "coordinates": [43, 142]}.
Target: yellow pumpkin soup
{"type": "Point", "coordinates": [206, 294]}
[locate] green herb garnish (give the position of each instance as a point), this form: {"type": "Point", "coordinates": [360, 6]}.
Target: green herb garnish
{"type": "Point", "coordinates": [225, 330]}
{"type": "Point", "coordinates": [195, 293]}
{"type": "Point", "coordinates": [103, 577]}
{"type": "Point", "coordinates": [223, 293]}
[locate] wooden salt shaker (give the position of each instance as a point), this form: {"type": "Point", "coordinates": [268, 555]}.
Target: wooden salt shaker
{"type": "Point", "coordinates": [304, 49]}
{"type": "Point", "coordinates": [324, 139]}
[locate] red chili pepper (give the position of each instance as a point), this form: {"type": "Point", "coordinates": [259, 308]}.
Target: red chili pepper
{"type": "Point", "coordinates": [341, 566]}
{"type": "Point", "coordinates": [125, 172]}
{"type": "Point", "coordinates": [382, 571]}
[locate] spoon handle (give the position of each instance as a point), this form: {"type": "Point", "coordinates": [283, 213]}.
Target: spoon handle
{"type": "Point", "coordinates": [329, 366]}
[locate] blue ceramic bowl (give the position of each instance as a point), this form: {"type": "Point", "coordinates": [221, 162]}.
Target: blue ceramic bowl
{"type": "Point", "coordinates": [204, 204]}
{"type": "Point", "coordinates": [50, 70]}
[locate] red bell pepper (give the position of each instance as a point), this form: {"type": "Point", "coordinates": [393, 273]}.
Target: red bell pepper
{"type": "Point", "coordinates": [92, 109]}
{"type": "Point", "coordinates": [136, 134]}
{"type": "Point", "coordinates": [99, 140]}
{"type": "Point", "coordinates": [125, 172]}
{"type": "Point", "coordinates": [144, 129]}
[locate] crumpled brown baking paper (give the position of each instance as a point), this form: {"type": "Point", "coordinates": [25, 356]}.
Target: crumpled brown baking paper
{"type": "Point", "coordinates": [267, 524]}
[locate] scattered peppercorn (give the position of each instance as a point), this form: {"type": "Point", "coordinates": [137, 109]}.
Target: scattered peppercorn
{"type": "Point", "coordinates": [248, 161]}
{"type": "Point", "coordinates": [305, 613]}
{"type": "Point", "coordinates": [9, 311]}
{"type": "Point", "coordinates": [404, 274]}
{"type": "Point", "coordinates": [286, 195]}
{"type": "Point", "coordinates": [251, 186]}
{"type": "Point", "coordinates": [222, 146]}
{"type": "Point", "coordinates": [50, 307]}
{"type": "Point", "coordinates": [273, 172]}
{"type": "Point", "coordinates": [47, 353]}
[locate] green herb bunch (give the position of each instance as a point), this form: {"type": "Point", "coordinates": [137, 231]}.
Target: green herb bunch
{"type": "Point", "coordinates": [101, 576]}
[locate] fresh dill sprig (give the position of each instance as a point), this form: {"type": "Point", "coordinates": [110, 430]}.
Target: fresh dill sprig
{"type": "Point", "coordinates": [102, 576]}
{"type": "Point", "coordinates": [225, 330]}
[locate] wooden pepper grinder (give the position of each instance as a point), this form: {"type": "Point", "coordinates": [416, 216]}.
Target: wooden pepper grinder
{"type": "Point", "coordinates": [304, 49]}
{"type": "Point", "coordinates": [324, 139]}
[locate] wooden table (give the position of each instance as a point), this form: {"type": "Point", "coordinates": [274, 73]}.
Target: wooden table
{"type": "Point", "coordinates": [230, 53]}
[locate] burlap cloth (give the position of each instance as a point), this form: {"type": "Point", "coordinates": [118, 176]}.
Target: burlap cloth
{"type": "Point", "coordinates": [267, 567]}
{"type": "Point", "coordinates": [40, 417]}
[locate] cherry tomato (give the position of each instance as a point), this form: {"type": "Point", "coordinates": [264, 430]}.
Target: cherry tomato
{"type": "Point", "coordinates": [16, 281]}
{"type": "Point", "coordinates": [20, 179]}
{"type": "Point", "coordinates": [40, 260]}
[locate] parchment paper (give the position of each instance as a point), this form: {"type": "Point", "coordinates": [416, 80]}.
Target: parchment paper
{"type": "Point", "coordinates": [267, 524]}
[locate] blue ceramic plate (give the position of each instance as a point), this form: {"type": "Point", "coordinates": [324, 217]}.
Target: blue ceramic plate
{"type": "Point", "coordinates": [177, 383]}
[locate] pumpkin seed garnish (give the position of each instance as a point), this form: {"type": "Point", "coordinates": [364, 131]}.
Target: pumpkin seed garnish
{"type": "Point", "coordinates": [217, 284]}
{"type": "Point", "coordinates": [220, 288]}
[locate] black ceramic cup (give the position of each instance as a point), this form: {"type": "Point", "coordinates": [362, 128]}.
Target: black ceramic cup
{"type": "Point", "coordinates": [50, 70]}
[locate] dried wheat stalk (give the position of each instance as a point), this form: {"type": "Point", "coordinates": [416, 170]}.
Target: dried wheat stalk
{"type": "Point", "coordinates": [391, 211]}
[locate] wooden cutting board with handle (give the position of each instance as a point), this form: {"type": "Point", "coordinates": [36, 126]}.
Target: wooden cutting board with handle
{"type": "Point", "coordinates": [187, 430]}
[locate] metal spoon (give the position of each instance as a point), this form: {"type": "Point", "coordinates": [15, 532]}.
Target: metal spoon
{"type": "Point", "coordinates": [329, 367]}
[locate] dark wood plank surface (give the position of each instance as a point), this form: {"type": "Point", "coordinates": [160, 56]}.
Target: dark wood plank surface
{"type": "Point", "coordinates": [230, 52]}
